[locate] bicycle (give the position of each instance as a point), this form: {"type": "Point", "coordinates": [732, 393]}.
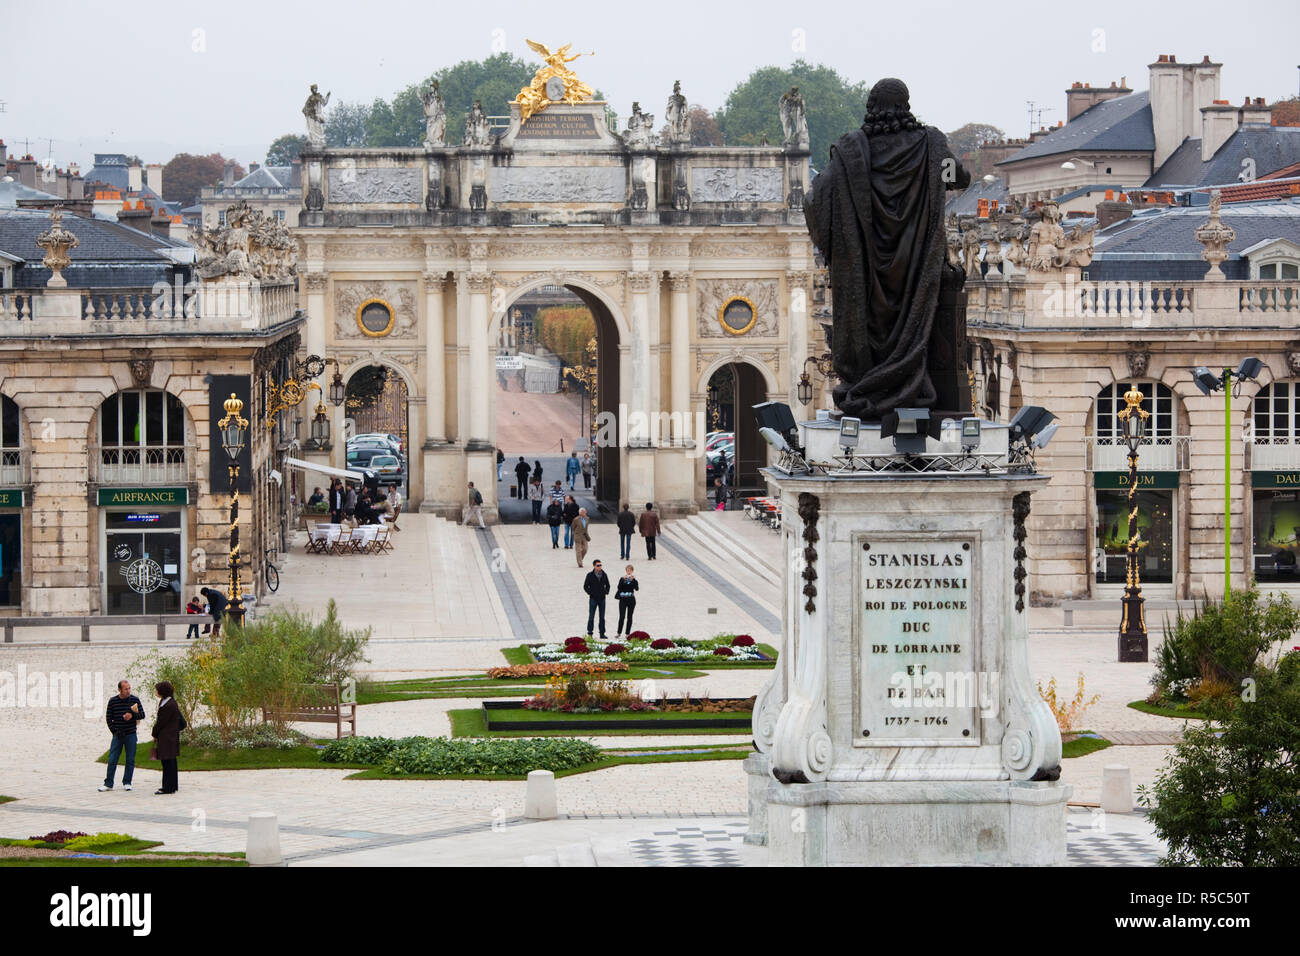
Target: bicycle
{"type": "Point", "coordinates": [272, 573]}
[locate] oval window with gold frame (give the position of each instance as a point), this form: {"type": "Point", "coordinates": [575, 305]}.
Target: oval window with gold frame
{"type": "Point", "coordinates": [375, 317]}
{"type": "Point", "coordinates": [737, 315]}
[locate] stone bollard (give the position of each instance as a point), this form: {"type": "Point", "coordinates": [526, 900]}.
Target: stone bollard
{"type": "Point", "coordinates": [1116, 789]}
{"type": "Point", "coordinates": [539, 799]}
{"type": "Point", "coordinates": [263, 839]}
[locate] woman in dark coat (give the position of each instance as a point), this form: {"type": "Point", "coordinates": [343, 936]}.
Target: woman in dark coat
{"type": "Point", "coordinates": [167, 726]}
{"type": "Point", "coordinates": [537, 471]}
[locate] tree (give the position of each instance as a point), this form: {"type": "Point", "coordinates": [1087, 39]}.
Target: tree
{"type": "Point", "coordinates": [283, 151]}
{"type": "Point", "coordinates": [968, 138]}
{"type": "Point", "coordinates": [346, 125]}
{"type": "Point", "coordinates": [185, 175]}
{"type": "Point", "coordinates": [1286, 112]}
{"type": "Point", "coordinates": [834, 106]}
{"type": "Point", "coordinates": [381, 127]}
{"type": "Point", "coordinates": [494, 82]}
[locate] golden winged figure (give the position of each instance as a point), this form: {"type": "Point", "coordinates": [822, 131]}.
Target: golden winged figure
{"type": "Point", "coordinates": [532, 98]}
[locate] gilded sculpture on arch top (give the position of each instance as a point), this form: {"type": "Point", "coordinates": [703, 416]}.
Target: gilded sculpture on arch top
{"type": "Point", "coordinates": [541, 92]}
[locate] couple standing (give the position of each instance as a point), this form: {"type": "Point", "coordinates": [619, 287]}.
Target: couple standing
{"type": "Point", "coordinates": [597, 587]}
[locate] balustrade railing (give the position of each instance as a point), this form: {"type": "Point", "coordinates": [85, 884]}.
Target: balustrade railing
{"type": "Point", "coordinates": [198, 307]}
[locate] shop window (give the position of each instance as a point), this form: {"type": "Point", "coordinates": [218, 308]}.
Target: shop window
{"type": "Point", "coordinates": [1276, 535]}
{"type": "Point", "coordinates": [1155, 535]}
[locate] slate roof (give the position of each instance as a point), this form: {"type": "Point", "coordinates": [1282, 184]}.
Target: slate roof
{"type": "Point", "coordinates": [11, 192]}
{"type": "Point", "coordinates": [1169, 233]}
{"type": "Point", "coordinates": [966, 203]}
{"type": "Point", "coordinates": [267, 177]}
{"type": "Point", "coordinates": [99, 239]}
{"type": "Point", "coordinates": [1270, 147]}
{"type": "Point", "coordinates": [1123, 123]}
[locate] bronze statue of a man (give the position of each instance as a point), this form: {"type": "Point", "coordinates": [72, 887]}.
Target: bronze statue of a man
{"type": "Point", "coordinates": [876, 215]}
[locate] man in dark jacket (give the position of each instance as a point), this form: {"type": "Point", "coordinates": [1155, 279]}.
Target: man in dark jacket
{"type": "Point", "coordinates": [555, 518]}
{"type": "Point", "coordinates": [522, 471]}
{"type": "Point", "coordinates": [216, 607]}
{"type": "Point", "coordinates": [597, 587]}
{"type": "Point", "coordinates": [124, 712]}
{"type": "Point", "coordinates": [648, 525]}
{"type": "Point", "coordinates": [570, 513]}
{"type": "Point", "coordinates": [626, 525]}
{"type": "Point", "coordinates": [336, 497]}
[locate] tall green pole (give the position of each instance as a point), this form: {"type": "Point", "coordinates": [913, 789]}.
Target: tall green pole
{"type": "Point", "coordinates": [1227, 484]}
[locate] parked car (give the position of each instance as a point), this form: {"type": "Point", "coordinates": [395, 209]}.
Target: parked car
{"type": "Point", "coordinates": [390, 469]}
{"type": "Point", "coordinates": [379, 438]}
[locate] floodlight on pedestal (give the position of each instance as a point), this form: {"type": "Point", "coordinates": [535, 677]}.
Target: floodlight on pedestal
{"type": "Point", "coordinates": [1249, 368]}
{"type": "Point", "coordinates": [908, 427]}
{"type": "Point", "coordinates": [849, 431]}
{"type": "Point", "coordinates": [970, 434]}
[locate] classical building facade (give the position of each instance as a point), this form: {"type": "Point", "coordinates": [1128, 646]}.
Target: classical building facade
{"type": "Point", "coordinates": [689, 258]}
{"type": "Point", "coordinates": [1071, 323]}
{"type": "Point", "coordinates": [114, 489]}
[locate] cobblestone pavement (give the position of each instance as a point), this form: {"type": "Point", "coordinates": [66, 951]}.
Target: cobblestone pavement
{"type": "Point", "coordinates": [435, 609]}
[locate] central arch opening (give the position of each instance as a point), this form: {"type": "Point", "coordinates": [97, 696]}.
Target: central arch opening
{"type": "Point", "coordinates": [378, 425]}
{"type": "Point", "coordinates": [557, 369]}
{"type": "Point", "coordinates": [734, 451]}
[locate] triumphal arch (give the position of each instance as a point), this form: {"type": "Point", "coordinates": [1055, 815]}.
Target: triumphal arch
{"type": "Point", "coordinates": [690, 258]}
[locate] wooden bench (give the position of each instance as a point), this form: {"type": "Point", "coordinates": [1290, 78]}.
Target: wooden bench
{"type": "Point", "coordinates": [322, 706]}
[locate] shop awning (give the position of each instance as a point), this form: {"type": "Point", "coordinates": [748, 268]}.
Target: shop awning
{"type": "Point", "coordinates": [324, 469]}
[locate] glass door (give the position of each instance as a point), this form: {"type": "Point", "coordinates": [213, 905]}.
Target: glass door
{"type": "Point", "coordinates": [143, 562]}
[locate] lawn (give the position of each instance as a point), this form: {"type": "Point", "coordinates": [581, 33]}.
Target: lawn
{"type": "Point", "coordinates": [471, 723]}
{"type": "Point", "coordinates": [478, 685]}
{"type": "Point", "coordinates": [4, 799]}
{"type": "Point", "coordinates": [1180, 712]}
{"type": "Point", "coordinates": [241, 758]}
{"type": "Point", "coordinates": [1082, 746]}
{"type": "Point", "coordinates": [57, 861]}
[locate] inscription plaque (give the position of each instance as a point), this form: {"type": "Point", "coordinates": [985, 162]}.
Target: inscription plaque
{"type": "Point", "coordinates": [917, 682]}
{"type": "Point", "coordinates": [556, 125]}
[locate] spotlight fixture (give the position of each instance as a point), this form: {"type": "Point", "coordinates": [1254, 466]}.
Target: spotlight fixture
{"type": "Point", "coordinates": [1206, 380]}
{"type": "Point", "coordinates": [849, 431]}
{"type": "Point", "coordinates": [1028, 422]}
{"type": "Point", "coordinates": [970, 434]}
{"type": "Point", "coordinates": [908, 427]}
{"type": "Point", "coordinates": [778, 417]}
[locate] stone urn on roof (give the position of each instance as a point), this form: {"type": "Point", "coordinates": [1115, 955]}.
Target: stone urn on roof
{"type": "Point", "coordinates": [57, 243]}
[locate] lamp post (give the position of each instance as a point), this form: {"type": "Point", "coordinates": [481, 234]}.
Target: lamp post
{"type": "Point", "coordinates": [1229, 382]}
{"type": "Point", "coordinates": [1133, 625]}
{"type": "Point", "coordinates": [233, 427]}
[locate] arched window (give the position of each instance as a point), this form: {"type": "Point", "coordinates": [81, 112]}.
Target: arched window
{"type": "Point", "coordinates": [12, 471]}
{"type": "Point", "coordinates": [1277, 414]}
{"type": "Point", "coordinates": [1157, 399]}
{"type": "Point", "coordinates": [142, 438]}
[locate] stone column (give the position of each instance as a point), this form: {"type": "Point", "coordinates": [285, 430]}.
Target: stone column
{"type": "Point", "coordinates": [798, 286]}
{"type": "Point", "coordinates": [479, 285]}
{"type": "Point", "coordinates": [680, 363]}
{"type": "Point", "coordinates": [639, 354]}
{"type": "Point", "coordinates": [435, 362]}
{"type": "Point", "coordinates": [315, 285]}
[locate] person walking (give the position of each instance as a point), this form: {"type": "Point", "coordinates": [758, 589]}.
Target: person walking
{"type": "Point", "coordinates": [557, 494]}
{"type": "Point", "coordinates": [625, 593]}
{"type": "Point", "coordinates": [596, 585]}
{"type": "Point", "coordinates": [123, 716]}
{"type": "Point", "coordinates": [501, 460]}
{"type": "Point", "coordinates": [648, 525]}
{"type": "Point", "coordinates": [588, 468]}
{"type": "Point", "coordinates": [194, 607]}
{"type": "Point", "coordinates": [535, 498]}
{"type": "Point", "coordinates": [626, 525]}
{"type": "Point", "coordinates": [537, 470]}
{"type": "Point", "coordinates": [474, 507]}
{"type": "Point", "coordinates": [571, 469]}
{"type": "Point", "coordinates": [521, 478]}
{"type": "Point", "coordinates": [216, 607]}
{"type": "Point", "coordinates": [167, 727]}
{"type": "Point", "coordinates": [719, 495]}
{"type": "Point", "coordinates": [555, 518]}
{"type": "Point", "coordinates": [336, 499]}
{"type": "Point", "coordinates": [570, 515]}
{"type": "Point", "coordinates": [396, 498]}
{"type": "Point", "coordinates": [350, 502]}
{"type": "Point", "coordinates": [581, 538]}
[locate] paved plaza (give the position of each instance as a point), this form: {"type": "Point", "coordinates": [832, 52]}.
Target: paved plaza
{"type": "Point", "coordinates": [446, 602]}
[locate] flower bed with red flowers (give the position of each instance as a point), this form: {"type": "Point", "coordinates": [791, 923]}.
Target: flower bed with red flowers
{"type": "Point", "coordinates": [553, 669]}
{"type": "Point", "coordinates": [723, 648]}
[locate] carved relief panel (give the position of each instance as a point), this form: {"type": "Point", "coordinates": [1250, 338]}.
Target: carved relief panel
{"type": "Point", "coordinates": [356, 303]}
{"type": "Point", "coordinates": [722, 302]}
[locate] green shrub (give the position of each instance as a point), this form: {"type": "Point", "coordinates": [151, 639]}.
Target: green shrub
{"type": "Point", "coordinates": [259, 737]}
{"type": "Point", "coordinates": [354, 750]}
{"type": "Point", "coordinates": [1221, 641]}
{"type": "Point", "coordinates": [265, 664]}
{"type": "Point", "coordinates": [1232, 798]}
{"type": "Point", "coordinates": [81, 844]}
{"type": "Point", "coordinates": [439, 755]}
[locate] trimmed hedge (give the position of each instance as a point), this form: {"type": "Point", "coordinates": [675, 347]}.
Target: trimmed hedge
{"type": "Point", "coordinates": [439, 755]}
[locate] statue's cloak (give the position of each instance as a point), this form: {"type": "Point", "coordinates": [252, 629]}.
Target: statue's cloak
{"type": "Point", "coordinates": [876, 215]}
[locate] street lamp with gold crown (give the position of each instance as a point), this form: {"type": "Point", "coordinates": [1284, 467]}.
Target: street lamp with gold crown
{"type": "Point", "coordinates": [233, 434]}
{"type": "Point", "coordinates": [1133, 625]}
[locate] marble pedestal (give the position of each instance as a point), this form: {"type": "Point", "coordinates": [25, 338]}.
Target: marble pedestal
{"type": "Point", "coordinates": [901, 725]}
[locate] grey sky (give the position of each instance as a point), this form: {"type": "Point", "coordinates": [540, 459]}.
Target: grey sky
{"type": "Point", "coordinates": [146, 82]}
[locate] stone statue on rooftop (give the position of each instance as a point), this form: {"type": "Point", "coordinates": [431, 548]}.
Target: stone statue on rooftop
{"type": "Point", "coordinates": [313, 109]}
{"type": "Point", "coordinates": [477, 130]}
{"type": "Point", "coordinates": [435, 116]}
{"type": "Point", "coordinates": [794, 119]}
{"type": "Point", "coordinates": [677, 116]}
{"type": "Point", "coordinates": [640, 129]}
{"type": "Point", "coordinates": [876, 214]}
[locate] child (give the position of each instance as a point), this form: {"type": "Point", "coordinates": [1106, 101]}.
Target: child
{"type": "Point", "coordinates": [195, 606]}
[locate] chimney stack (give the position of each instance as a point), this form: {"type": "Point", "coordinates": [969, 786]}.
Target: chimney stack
{"type": "Point", "coordinates": [1083, 96]}
{"type": "Point", "coordinates": [228, 173]}
{"type": "Point", "coordinates": [133, 178]}
{"type": "Point", "coordinates": [1179, 92]}
{"type": "Point", "coordinates": [153, 173]}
